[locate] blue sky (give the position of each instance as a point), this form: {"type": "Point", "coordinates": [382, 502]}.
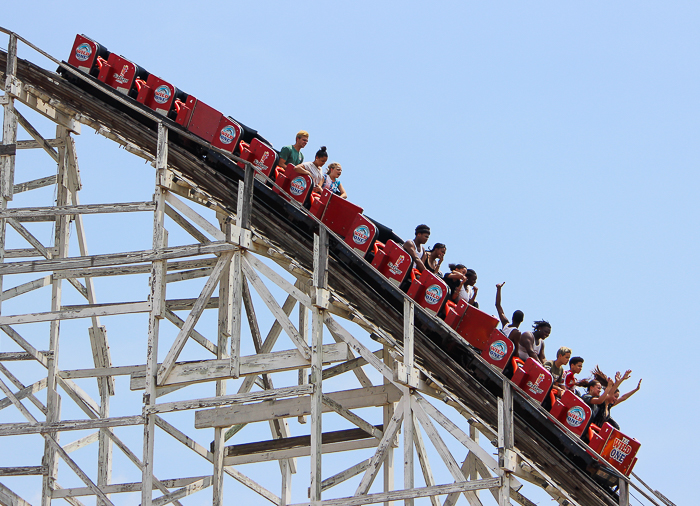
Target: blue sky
{"type": "Point", "coordinates": [551, 145]}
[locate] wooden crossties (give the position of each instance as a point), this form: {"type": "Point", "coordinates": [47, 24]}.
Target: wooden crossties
{"type": "Point", "coordinates": [322, 389]}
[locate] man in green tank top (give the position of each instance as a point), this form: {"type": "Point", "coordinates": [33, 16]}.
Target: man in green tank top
{"type": "Point", "coordinates": [292, 154]}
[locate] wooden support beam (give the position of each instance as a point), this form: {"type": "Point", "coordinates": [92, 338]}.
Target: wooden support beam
{"type": "Point", "coordinates": [287, 408]}
{"type": "Point", "coordinates": [35, 183]}
{"type": "Point", "coordinates": [30, 212]}
{"type": "Point", "coordinates": [345, 475]}
{"type": "Point", "coordinates": [183, 492]}
{"type": "Point", "coordinates": [415, 493]}
{"type": "Point", "coordinates": [26, 287]}
{"type": "Point", "coordinates": [132, 257]}
{"type": "Point", "coordinates": [43, 105]}
{"type": "Point", "coordinates": [123, 487]}
{"type": "Point", "coordinates": [23, 471]}
{"type": "Point", "coordinates": [36, 136]}
{"type": "Point", "coordinates": [352, 417]}
{"type": "Point", "coordinates": [203, 452]}
{"type": "Point", "coordinates": [444, 451]}
{"type": "Point", "coordinates": [54, 143]}
{"type": "Point", "coordinates": [22, 429]}
{"type": "Point", "coordinates": [24, 391]}
{"type": "Point", "coordinates": [9, 498]}
{"type": "Point", "coordinates": [194, 334]}
{"type": "Point", "coordinates": [384, 445]}
{"type": "Point", "coordinates": [134, 269]}
{"type": "Point", "coordinates": [194, 217]}
{"type": "Point", "coordinates": [73, 312]}
{"type": "Point", "coordinates": [339, 436]}
{"type": "Point", "coordinates": [275, 309]}
{"type": "Point", "coordinates": [169, 361]}
{"type": "Point", "coordinates": [304, 451]}
{"type": "Point", "coordinates": [186, 225]}
{"type": "Point", "coordinates": [208, 370]}
{"type": "Point", "coordinates": [225, 400]}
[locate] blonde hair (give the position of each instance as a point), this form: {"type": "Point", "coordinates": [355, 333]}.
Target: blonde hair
{"type": "Point", "coordinates": [333, 165]}
{"type": "Point", "coordinates": [302, 133]}
{"type": "Point", "coordinates": [563, 351]}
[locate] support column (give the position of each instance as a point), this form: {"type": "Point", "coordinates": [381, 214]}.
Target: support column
{"type": "Point", "coordinates": [157, 297]}
{"type": "Point", "coordinates": [506, 441]}
{"type": "Point", "coordinates": [320, 282]}
{"type": "Point", "coordinates": [388, 413]}
{"type": "Point", "coordinates": [9, 143]}
{"type": "Point", "coordinates": [53, 401]}
{"type": "Point", "coordinates": [408, 425]}
{"type": "Point", "coordinates": [624, 491]}
{"type": "Point", "coordinates": [229, 315]}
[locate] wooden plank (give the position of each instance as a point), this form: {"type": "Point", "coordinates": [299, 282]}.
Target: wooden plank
{"type": "Point", "coordinates": [19, 429]}
{"type": "Point", "coordinates": [194, 217]}
{"type": "Point", "coordinates": [458, 434]}
{"type": "Point", "coordinates": [28, 212]}
{"type": "Point", "coordinates": [424, 463]}
{"type": "Point", "coordinates": [203, 452]}
{"type": "Point", "coordinates": [378, 457]}
{"type": "Point", "coordinates": [352, 417]}
{"type": "Point", "coordinates": [12, 356]}
{"type": "Point", "coordinates": [194, 334]}
{"type": "Point", "coordinates": [337, 330]}
{"type": "Point", "coordinates": [35, 183]}
{"type": "Point", "coordinates": [415, 493]}
{"type": "Point", "coordinates": [301, 452]}
{"type": "Point", "coordinates": [278, 280]}
{"type": "Point", "coordinates": [350, 365]}
{"type": "Point", "coordinates": [275, 309]}
{"type": "Point", "coordinates": [114, 259]}
{"type": "Point", "coordinates": [54, 143]}
{"type": "Point", "coordinates": [81, 443]}
{"type": "Point", "coordinates": [133, 269]}
{"type": "Point", "coordinates": [208, 370]}
{"type": "Point", "coordinates": [37, 136]}
{"type": "Point", "coordinates": [287, 443]}
{"type": "Point", "coordinates": [350, 399]}
{"type": "Point", "coordinates": [26, 287]}
{"type": "Point", "coordinates": [123, 487]}
{"type": "Point", "coordinates": [23, 390]}
{"type": "Point", "coordinates": [186, 225]}
{"type": "Point", "coordinates": [345, 475]}
{"type": "Point", "coordinates": [23, 471]}
{"type": "Point", "coordinates": [97, 372]}
{"type": "Point", "coordinates": [9, 498]}
{"type": "Point", "coordinates": [183, 492]}
{"type": "Point", "coordinates": [444, 451]}
{"type": "Point", "coordinates": [225, 400]}
{"type": "Point", "coordinates": [169, 362]}
{"type": "Point", "coordinates": [86, 311]}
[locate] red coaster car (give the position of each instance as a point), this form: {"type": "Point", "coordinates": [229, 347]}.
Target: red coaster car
{"type": "Point", "coordinates": [473, 325]}
{"type": "Point", "coordinates": [616, 448]}
{"type": "Point", "coordinates": [361, 234]}
{"type": "Point", "coordinates": [534, 379]}
{"type": "Point", "coordinates": [207, 123]}
{"type": "Point", "coordinates": [572, 412]}
{"type": "Point", "coordinates": [498, 350]}
{"type": "Point", "coordinates": [262, 156]}
{"type": "Point", "coordinates": [84, 55]}
{"type": "Point", "coordinates": [157, 94]}
{"type": "Point", "coordinates": [120, 73]}
{"type": "Point", "coordinates": [428, 291]}
{"type": "Point", "coordinates": [392, 261]}
{"type": "Point", "coordinates": [298, 186]}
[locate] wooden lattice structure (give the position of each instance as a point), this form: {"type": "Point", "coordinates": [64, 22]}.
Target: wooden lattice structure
{"type": "Point", "coordinates": [240, 261]}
